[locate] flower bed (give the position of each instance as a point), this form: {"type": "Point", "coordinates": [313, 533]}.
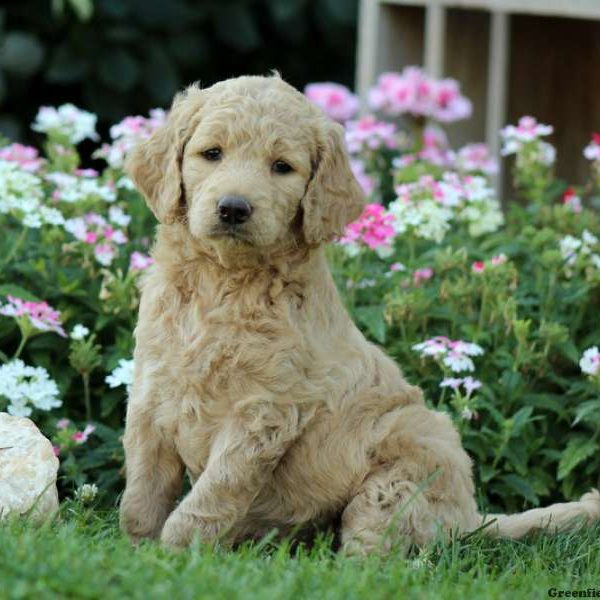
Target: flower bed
{"type": "Point", "coordinates": [494, 314]}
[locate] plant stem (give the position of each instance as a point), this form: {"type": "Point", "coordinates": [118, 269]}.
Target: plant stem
{"type": "Point", "coordinates": [21, 346]}
{"type": "Point", "coordinates": [86, 395]}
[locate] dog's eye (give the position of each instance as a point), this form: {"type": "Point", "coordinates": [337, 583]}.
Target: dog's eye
{"type": "Point", "coordinates": [281, 167]}
{"type": "Point", "coordinates": [212, 154]}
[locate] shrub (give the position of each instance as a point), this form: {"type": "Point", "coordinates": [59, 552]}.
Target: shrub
{"type": "Point", "coordinates": [493, 314]}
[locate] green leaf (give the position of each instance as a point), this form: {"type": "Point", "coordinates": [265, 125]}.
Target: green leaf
{"type": "Point", "coordinates": [577, 450]}
{"type": "Point", "coordinates": [521, 486]}
{"type": "Point", "coordinates": [372, 318]}
{"type": "Point", "coordinates": [520, 419]}
{"type": "Point", "coordinates": [12, 289]}
{"type": "Point", "coordinates": [591, 408]}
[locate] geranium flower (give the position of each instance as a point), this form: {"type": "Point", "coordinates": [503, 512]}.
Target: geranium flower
{"type": "Point", "coordinates": [413, 92]}
{"type": "Point", "coordinates": [121, 375]}
{"type": "Point", "coordinates": [367, 183]}
{"type": "Point", "coordinates": [590, 361]}
{"type": "Point", "coordinates": [421, 275]}
{"type": "Point", "coordinates": [139, 261]}
{"type": "Point", "coordinates": [373, 229]}
{"type": "Point", "coordinates": [572, 200]}
{"type": "Point", "coordinates": [592, 150]}
{"type": "Point", "coordinates": [27, 157]}
{"type": "Point", "coordinates": [476, 158]}
{"type": "Point", "coordinates": [125, 136]}
{"type": "Point", "coordinates": [527, 130]}
{"type": "Point", "coordinates": [67, 121]}
{"type": "Point", "coordinates": [335, 100]}
{"type": "Point", "coordinates": [79, 332]}
{"type": "Point", "coordinates": [454, 354]}
{"type": "Point", "coordinates": [27, 388]}
{"type": "Point", "coordinates": [370, 134]}
{"type": "Point", "coordinates": [40, 314]}
{"type": "Point", "coordinates": [80, 437]}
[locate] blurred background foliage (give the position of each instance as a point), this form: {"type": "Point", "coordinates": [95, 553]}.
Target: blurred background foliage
{"type": "Point", "coordinates": [121, 57]}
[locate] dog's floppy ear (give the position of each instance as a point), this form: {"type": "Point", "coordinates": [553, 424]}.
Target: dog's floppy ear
{"type": "Point", "coordinates": [154, 164]}
{"type": "Point", "coordinates": [333, 197]}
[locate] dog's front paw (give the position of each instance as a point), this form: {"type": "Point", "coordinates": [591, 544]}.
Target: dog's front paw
{"type": "Point", "coordinates": [178, 530]}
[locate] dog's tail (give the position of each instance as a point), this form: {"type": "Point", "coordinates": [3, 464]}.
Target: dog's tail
{"type": "Point", "coordinates": [553, 518]}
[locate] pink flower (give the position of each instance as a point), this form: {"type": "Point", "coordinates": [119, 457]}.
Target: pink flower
{"type": "Point", "coordinates": [26, 156]}
{"type": "Point", "coordinates": [139, 261]}
{"type": "Point", "coordinates": [62, 423]}
{"type": "Point", "coordinates": [370, 134]}
{"type": "Point", "coordinates": [367, 183]}
{"type": "Point", "coordinates": [413, 92]}
{"type": "Point", "coordinates": [422, 275]}
{"type": "Point", "coordinates": [498, 260]}
{"type": "Point", "coordinates": [373, 228]}
{"type": "Point", "coordinates": [40, 314]}
{"type": "Point", "coordinates": [91, 237]}
{"type": "Point", "coordinates": [527, 130]}
{"type": "Point", "coordinates": [450, 105]}
{"type": "Point", "coordinates": [86, 172]}
{"type": "Point", "coordinates": [471, 384]}
{"type": "Point", "coordinates": [56, 451]}
{"type": "Point", "coordinates": [335, 100]}
{"type": "Point", "coordinates": [82, 436]}
{"type": "Point", "coordinates": [572, 200]}
{"type": "Point", "coordinates": [476, 157]}
{"type": "Point", "coordinates": [478, 266]}
{"type": "Point", "coordinates": [397, 266]}
{"type": "Point", "coordinates": [105, 254]}
{"type": "Point", "coordinates": [451, 382]}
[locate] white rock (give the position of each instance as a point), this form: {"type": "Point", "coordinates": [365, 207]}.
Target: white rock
{"type": "Point", "coordinates": [28, 469]}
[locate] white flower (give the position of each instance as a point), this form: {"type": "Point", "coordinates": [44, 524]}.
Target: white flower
{"type": "Point", "coordinates": [458, 362]}
{"type": "Point", "coordinates": [104, 254]}
{"type": "Point", "coordinates": [467, 348]}
{"type": "Point", "coordinates": [121, 375]}
{"type": "Point", "coordinates": [466, 414]}
{"type": "Point", "coordinates": [118, 216]}
{"type": "Point", "coordinates": [452, 382]}
{"type": "Point", "coordinates": [125, 183]}
{"type": "Point", "coordinates": [27, 387]}
{"type": "Point", "coordinates": [86, 493]}
{"type": "Point", "coordinates": [21, 195]}
{"type": "Point", "coordinates": [66, 120]}
{"type": "Point", "coordinates": [568, 248]}
{"type": "Point", "coordinates": [72, 189]}
{"type": "Point", "coordinates": [589, 239]}
{"type": "Point", "coordinates": [590, 361]}
{"type": "Point", "coordinates": [471, 384]}
{"type": "Point", "coordinates": [79, 332]}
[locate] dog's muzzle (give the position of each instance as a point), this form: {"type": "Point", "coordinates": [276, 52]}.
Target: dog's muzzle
{"type": "Point", "coordinates": [233, 210]}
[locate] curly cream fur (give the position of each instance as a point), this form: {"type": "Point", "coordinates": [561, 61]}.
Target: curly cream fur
{"type": "Point", "coordinates": [249, 373]}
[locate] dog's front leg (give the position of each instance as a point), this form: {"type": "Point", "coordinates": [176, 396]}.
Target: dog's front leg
{"type": "Point", "coordinates": [154, 478]}
{"type": "Point", "coordinates": [242, 458]}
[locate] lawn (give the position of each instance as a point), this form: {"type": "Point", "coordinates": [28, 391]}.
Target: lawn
{"type": "Point", "coordinates": [83, 555]}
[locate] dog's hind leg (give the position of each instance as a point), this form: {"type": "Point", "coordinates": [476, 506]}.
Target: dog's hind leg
{"type": "Point", "coordinates": [551, 519]}
{"type": "Point", "coordinates": [387, 512]}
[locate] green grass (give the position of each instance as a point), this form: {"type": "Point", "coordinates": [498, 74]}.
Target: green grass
{"type": "Point", "coordinates": [82, 554]}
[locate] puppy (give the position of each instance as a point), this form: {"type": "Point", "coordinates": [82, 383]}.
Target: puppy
{"type": "Point", "coordinates": [249, 373]}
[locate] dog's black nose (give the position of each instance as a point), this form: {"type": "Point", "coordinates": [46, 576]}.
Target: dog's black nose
{"type": "Point", "coordinates": [234, 210]}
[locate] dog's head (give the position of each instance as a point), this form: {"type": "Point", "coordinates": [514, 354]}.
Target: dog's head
{"type": "Point", "coordinates": [248, 161]}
